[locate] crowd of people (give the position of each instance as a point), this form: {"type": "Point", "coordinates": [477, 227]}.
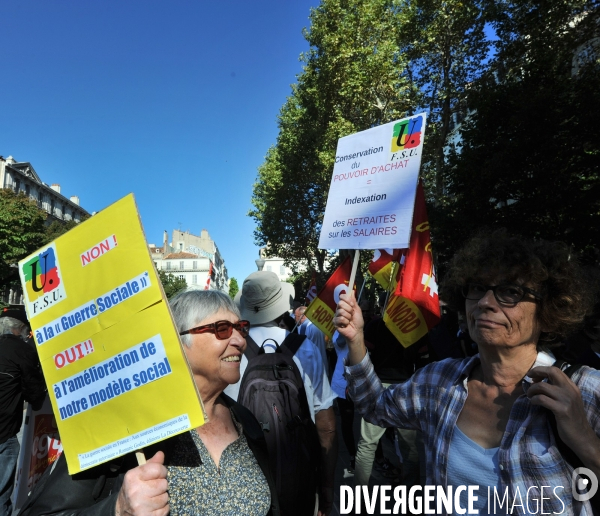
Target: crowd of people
{"type": "Point", "coordinates": [481, 401]}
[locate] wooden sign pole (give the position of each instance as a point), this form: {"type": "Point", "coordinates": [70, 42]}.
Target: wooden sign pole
{"type": "Point", "coordinates": [353, 273]}
{"type": "Point", "coordinates": [141, 458]}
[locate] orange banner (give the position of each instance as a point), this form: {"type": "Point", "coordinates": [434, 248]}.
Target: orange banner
{"type": "Point", "coordinates": [414, 308]}
{"type": "Point", "coordinates": [322, 309]}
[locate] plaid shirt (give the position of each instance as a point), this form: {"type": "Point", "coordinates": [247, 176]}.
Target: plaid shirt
{"type": "Point", "coordinates": [431, 401]}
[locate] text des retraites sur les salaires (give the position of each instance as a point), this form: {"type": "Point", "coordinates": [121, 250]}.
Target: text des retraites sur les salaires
{"type": "Point", "coordinates": [366, 221]}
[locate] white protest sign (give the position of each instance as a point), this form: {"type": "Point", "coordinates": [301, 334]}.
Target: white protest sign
{"type": "Point", "coordinates": [372, 192]}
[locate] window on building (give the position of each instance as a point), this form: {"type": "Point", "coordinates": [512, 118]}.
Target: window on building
{"type": "Point", "coordinates": [282, 270]}
{"type": "Point", "coordinates": [51, 206]}
{"type": "Point", "coordinates": [194, 279]}
{"type": "Point", "coordinates": [269, 267]}
{"type": "Point", "coordinates": [195, 264]}
{"type": "Point", "coordinates": [27, 190]}
{"type": "Point", "coordinates": [168, 266]}
{"type": "Point", "coordinates": [181, 265]}
{"type": "Point", "coordinates": [17, 185]}
{"type": "Point", "coordinates": [181, 276]}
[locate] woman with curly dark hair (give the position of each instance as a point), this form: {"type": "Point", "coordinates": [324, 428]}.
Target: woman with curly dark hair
{"type": "Point", "coordinates": [486, 419]}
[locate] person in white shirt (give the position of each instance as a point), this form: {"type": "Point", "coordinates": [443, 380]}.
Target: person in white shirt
{"type": "Point", "coordinates": [312, 332]}
{"type": "Point", "coordinates": [263, 300]}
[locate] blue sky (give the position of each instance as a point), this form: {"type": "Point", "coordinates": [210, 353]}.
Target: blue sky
{"type": "Point", "coordinates": [175, 101]}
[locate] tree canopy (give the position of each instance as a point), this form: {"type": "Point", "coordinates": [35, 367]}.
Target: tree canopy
{"type": "Point", "coordinates": [171, 284]}
{"type": "Point", "coordinates": [233, 287]}
{"type": "Point", "coordinates": [353, 79]}
{"type": "Point", "coordinates": [523, 77]}
{"type": "Point", "coordinates": [529, 159]}
{"type": "Point", "coordinates": [22, 231]}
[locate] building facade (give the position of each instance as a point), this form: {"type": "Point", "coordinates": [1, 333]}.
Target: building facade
{"type": "Point", "coordinates": [276, 265]}
{"type": "Point", "coordinates": [22, 177]}
{"type": "Point", "coordinates": [196, 259]}
{"type": "Point", "coordinates": [195, 270]}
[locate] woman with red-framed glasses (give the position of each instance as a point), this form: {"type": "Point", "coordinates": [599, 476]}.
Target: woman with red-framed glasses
{"type": "Point", "coordinates": [221, 467]}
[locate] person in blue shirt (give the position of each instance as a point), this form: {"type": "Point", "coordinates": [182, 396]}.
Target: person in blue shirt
{"type": "Point", "coordinates": [485, 418]}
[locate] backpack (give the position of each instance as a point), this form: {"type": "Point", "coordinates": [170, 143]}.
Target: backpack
{"type": "Point", "coordinates": [273, 390]}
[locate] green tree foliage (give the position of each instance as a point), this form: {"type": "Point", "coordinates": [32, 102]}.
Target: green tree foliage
{"type": "Point", "coordinates": [529, 152]}
{"type": "Point", "coordinates": [171, 284]}
{"type": "Point", "coordinates": [445, 46]}
{"type": "Point", "coordinates": [22, 231]}
{"type": "Point", "coordinates": [352, 80]}
{"type": "Point", "coordinates": [530, 155]}
{"type": "Point", "coordinates": [58, 228]}
{"type": "Point", "coordinates": [233, 287]}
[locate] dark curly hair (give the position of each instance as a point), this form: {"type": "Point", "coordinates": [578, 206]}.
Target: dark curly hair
{"type": "Point", "coordinates": [549, 267]}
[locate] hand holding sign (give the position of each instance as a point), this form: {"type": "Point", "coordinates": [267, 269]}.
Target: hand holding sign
{"type": "Point", "coordinates": [144, 490]}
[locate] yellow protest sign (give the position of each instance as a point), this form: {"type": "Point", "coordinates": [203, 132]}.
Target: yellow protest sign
{"type": "Point", "coordinates": [405, 320]}
{"type": "Point", "coordinates": [117, 376]}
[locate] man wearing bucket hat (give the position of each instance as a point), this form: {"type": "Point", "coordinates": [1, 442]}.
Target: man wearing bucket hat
{"type": "Point", "coordinates": [263, 300]}
{"type": "Point", "coordinates": [20, 379]}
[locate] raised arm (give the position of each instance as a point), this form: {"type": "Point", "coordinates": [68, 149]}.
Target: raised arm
{"type": "Point", "coordinates": [349, 323]}
{"type": "Point", "coordinates": [394, 406]}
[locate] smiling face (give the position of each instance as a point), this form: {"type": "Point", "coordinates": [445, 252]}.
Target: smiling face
{"type": "Point", "coordinates": [497, 325]}
{"type": "Point", "coordinates": [216, 363]}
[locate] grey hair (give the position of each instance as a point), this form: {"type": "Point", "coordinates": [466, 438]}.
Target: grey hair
{"type": "Point", "coordinates": [192, 306]}
{"type": "Point", "coordinates": [8, 324]}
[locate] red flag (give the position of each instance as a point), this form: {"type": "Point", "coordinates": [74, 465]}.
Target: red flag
{"type": "Point", "coordinates": [385, 266]}
{"type": "Point", "coordinates": [210, 269]}
{"type": "Point", "coordinates": [322, 308]}
{"type": "Point", "coordinates": [312, 290]}
{"type": "Point", "coordinates": [414, 308]}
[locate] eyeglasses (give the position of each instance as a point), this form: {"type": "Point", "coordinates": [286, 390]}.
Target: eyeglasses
{"type": "Point", "coordinates": [504, 294]}
{"type": "Point", "coordinates": [221, 329]}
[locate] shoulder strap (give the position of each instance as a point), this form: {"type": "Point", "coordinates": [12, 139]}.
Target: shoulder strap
{"type": "Point", "coordinates": [566, 452]}
{"type": "Point", "coordinates": [293, 342]}
{"type": "Point", "coordinates": [568, 369]}
{"type": "Point", "coordinates": [252, 348]}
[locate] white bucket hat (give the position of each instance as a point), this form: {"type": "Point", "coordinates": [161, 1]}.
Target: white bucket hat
{"type": "Point", "coordinates": [263, 298]}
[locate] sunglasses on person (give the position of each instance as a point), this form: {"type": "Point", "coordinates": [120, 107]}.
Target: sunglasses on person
{"type": "Point", "coordinates": [221, 329]}
{"type": "Point", "coordinates": [504, 294]}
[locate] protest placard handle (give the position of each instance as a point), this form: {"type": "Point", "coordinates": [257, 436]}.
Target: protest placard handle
{"type": "Point", "coordinates": [141, 458]}
{"type": "Point", "coordinates": [353, 273]}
